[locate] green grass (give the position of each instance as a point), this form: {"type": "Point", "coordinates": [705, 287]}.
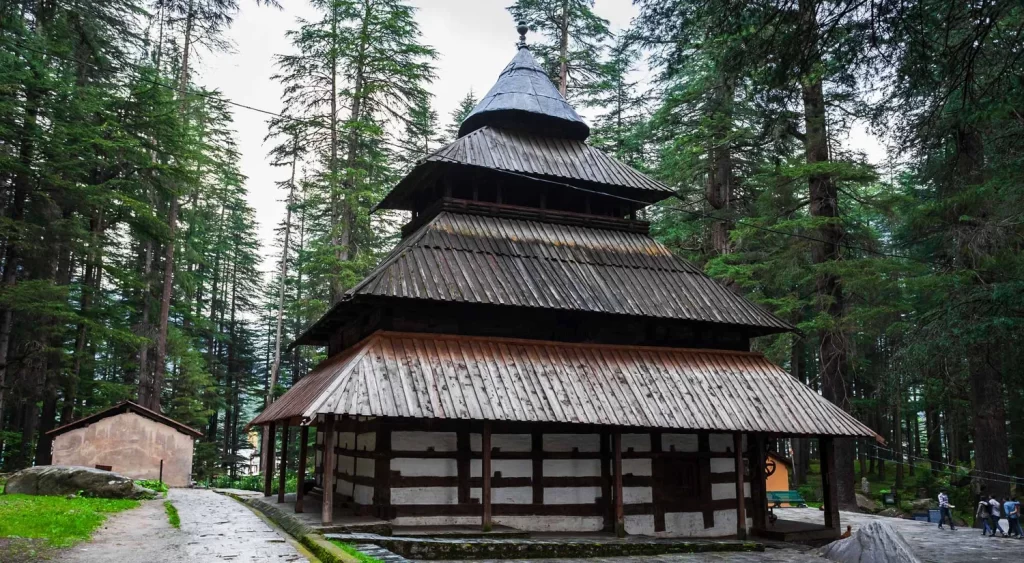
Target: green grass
{"type": "Point", "coordinates": [153, 485]}
{"type": "Point", "coordinates": [61, 521]}
{"type": "Point", "coordinates": [362, 557]}
{"type": "Point", "coordinates": [172, 514]}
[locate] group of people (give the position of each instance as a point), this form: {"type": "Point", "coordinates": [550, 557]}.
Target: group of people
{"type": "Point", "coordinates": [989, 512]}
{"type": "Point", "coordinates": [992, 509]}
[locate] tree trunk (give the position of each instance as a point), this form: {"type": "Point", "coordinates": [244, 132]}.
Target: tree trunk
{"type": "Point", "coordinates": [801, 455]}
{"type": "Point", "coordinates": [721, 179]}
{"type": "Point", "coordinates": [283, 276]}
{"type": "Point", "coordinates": [160, 367]}
{"type": "Point", "coordinates": [337, 213]}
{"type": "Point", "coordinates": [991, 446]}
{"type": "Point", "coordinates": [563, 51]}
{"type": "Point", "coordinates": [824, 207]}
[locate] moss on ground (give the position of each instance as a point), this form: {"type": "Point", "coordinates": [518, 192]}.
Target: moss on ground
{"type": "Point", "coordinates": [351, 550]}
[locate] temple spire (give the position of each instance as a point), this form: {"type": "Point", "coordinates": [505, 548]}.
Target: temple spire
{"type": "Point", "coordinates": [524, 98]}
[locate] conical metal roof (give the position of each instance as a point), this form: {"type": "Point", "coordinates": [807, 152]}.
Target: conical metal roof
{"type": "Point", "coordinates": [524, 98]}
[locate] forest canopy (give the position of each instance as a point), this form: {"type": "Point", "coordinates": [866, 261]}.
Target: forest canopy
{"type": "Point", "coordinates": [132, 266]}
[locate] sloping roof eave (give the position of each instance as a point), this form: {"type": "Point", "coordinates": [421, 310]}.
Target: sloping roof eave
{"type": "Point", "coordinates": [121, 408]}
{"type": "Point", "coordinates": [719, 391]}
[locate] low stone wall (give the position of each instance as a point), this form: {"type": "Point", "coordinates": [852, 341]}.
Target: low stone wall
{"type": "Point", "coordinates": [519, 548]}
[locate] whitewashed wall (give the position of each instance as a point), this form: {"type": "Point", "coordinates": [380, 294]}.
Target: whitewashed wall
{"type": "Point", "coordinates": [676, 524]}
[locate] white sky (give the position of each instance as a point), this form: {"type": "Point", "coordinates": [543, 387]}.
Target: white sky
{"type": "Point", "coordinates": [475, 39]}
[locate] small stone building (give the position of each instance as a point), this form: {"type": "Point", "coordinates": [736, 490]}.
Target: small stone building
{"type": "Point", "coordinates": [131, 440]}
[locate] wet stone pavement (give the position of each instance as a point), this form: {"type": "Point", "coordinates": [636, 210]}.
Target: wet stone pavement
{"type": "Point", "coordinates": [214, 528]}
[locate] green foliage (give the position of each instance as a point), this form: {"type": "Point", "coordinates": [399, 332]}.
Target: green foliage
{"type": "Point", "coordinates": [172, 514]}
{"type": "Point", "coordinates": [61, 521]}
{"type": "Point", "coordinates": [360, 556]}
{"type": "Point", "coordinates": [254, 482]}
{"type": "Point", "coordinates": [153, 485]}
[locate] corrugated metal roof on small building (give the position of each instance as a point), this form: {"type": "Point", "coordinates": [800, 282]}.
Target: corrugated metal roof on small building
{"type": "Point", "coordinates": [479, 259]}
{"type": "Point", "coordinates": [476, 378]}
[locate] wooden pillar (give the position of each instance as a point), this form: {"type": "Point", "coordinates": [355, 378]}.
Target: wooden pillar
{"type": "Point", "coordinates": [269, 443]}
{"type": "Point", "coordinates": [537, 453]}
{"type": "Point", "coordinates": [620, 515]}
{"type": "Point", "coordinates": [485, 490]}
{"type": "Point", "coordinates": [758, 497]}
{"type": "Point", "coordinates": [382, 472]}
{"type": "Point", "coordinates": [284, 463]}
{"type": "Point", "coordinates": [657, 480]}
{"type": "Point", "coordinates": [606, 481]}
{"type": "Point", "coordinates": [462, 465]}
{"type": "Point", "coordinates": [829, 486]}
{"type": "Point", "coordinates": [329, 476]}
{"type": "Point", "coordinates": [741, 501]}
{"type": "Point", "coordinates": [301, 478]}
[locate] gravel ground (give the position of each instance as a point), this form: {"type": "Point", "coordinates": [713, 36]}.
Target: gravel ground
{"type": "Point", "coordinates": [214, 528]}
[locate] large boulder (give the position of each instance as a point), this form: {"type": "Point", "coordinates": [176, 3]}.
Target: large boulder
{"type": "Point", "coordinates": [877, 542]}
{"type": "Point", "coordinates": [923, 504]}
{"type": "Point", "coordinates": [61, 480]}
{"type": "Point", "coordinates": [865, 504]}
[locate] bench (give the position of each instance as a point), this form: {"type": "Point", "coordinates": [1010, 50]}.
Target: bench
{"type": "Point", "coordinates": [776, 498]}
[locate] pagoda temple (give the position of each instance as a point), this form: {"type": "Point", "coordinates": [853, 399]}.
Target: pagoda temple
{"type": "Point", "coordinates": [529, 356]}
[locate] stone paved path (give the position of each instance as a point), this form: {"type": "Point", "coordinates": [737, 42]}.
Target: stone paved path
{"type": "Point", "coordinates": [965, 545]}
{"type": "Point", "coordinates": [769, 556]}
{"type": "Point", "coordinates": [214, 528]}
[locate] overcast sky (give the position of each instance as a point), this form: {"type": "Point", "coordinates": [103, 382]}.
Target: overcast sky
{"type": "Point", "coordinates": [474, 39]}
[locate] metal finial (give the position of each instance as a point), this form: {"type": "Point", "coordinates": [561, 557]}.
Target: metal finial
{"type": "Point", "coordinates": [522, 29]}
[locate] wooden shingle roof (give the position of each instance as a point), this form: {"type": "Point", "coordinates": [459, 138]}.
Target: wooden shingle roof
{"type": "Point", "coordinates": [466, 258]}
{"type": "Point", "coordinates": [516, 151]}
{"type": "Point", "coordinates": [433, 376]}
{"type": "Point", "coordinates": [121, 408]}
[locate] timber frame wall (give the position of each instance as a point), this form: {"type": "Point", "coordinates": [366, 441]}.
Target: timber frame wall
{"type": "Point", "coordinates": [544, 477]}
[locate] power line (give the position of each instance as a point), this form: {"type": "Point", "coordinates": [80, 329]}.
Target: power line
{"type": "Point", "coordinates": [911, 456]}
{"type": "Point", "coordinates": [989, 479]}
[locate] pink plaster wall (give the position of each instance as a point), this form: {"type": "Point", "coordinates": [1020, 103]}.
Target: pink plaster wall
{"type": "Point", "coordinates": [132, 445]}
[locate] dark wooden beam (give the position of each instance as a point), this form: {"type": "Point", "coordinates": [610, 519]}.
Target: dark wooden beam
{"type": "Point", "coordinates": [301, 478]}
{"type": "Point", "coordinates": [330, 459]}
{"type": "Point", "coordinates": [462, 465]}
{"type": "Point", "coordinates": [829, 486]}
{"type": "Point", "coordinates": [485, 490]}
{"type": "Point", "coordinates": [269, 444]}
{"type": "Point", "coordinates": [382, 473]}
{"type": "Point", "coordinates": [758, 496]}
{"type": "Point", "coordinates": [284, 463]}
{"type": "Point", "coordinates": [537, 449]}
{"type": "Point", "coordinates": [620, 515]}
{"type": "Point", "coordinates": [741, 504]}
{"type": "Point", "coordinates": [704, 479]}
{"type": "Point", "coordinates": [606, 482]}
{"type": "Point", "coordinates": [658, 477]}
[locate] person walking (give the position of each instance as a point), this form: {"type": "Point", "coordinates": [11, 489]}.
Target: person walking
{"type": "Point", "coordinates": [982, 513]}
{"type": "Point", "coordinates": [994, 515]}
{"type": "Point", "coordinates": [944, 512]}
{"type": "Point", "coordinates": [1011, 508]}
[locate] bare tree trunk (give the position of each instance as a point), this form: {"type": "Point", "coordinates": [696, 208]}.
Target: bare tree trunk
{"type": "Point", "coordinates": [157, 381]}
{"type": "Point", "coordinates": [563, 51]}
{"type": "Point", "coordinates": [721, 180]}
{"type": "Point", "coordinates": [337, 214]}
{"type": "Point", "coordinates": [283, 275]}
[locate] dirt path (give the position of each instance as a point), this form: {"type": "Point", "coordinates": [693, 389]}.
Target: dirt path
{"type": "Point", "coordinates": [214, 528]}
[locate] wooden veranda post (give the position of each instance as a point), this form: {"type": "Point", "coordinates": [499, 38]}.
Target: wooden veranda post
{"type": "Point", "coordinates": [269, 443]}
{"type": "Point", "coordinates": [299, 493]}
{"type": "Point", "coordinates": [485, 490]}
{"type": "Point", "coordinates": [620, 515]}
{"type": "Point", "coordinates": [829, 486]}
{"type": "Point", "coordinates": [741, 501]}
{"type": "Point", "coordinates": [758, 496]}
{"type": "Point", "coordinates": [330, 458]}
{"type": "Point", "coordinates": [284, 463]}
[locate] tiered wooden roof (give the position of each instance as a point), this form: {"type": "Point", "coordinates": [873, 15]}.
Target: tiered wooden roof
{"type": "Point", "coordinates": [585, 264]}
